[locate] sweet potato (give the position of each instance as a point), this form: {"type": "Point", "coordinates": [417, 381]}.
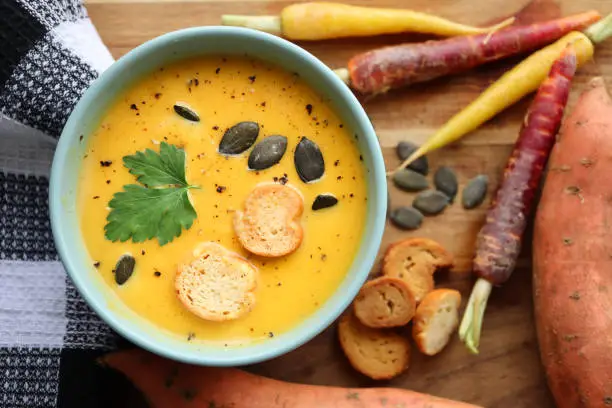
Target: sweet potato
{"type": "Point", "coordinates": [572, 257]}
{"type": "Point", "coordinates": [168, 384]}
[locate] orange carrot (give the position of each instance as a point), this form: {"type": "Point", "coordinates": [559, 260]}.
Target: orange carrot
{"type": "Point", "coordinates": [168, 384]}
{"type": "Point", "coordinates": [396, 66]}
{"type": "Point", "coordinates": [325, 20]}
{"type": "Point", "coordinates": [499, 240]}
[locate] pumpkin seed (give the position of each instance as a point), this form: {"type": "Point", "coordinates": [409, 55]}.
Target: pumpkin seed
{"type": "Point", "coordinates": [474, 192]}
{"type": "Point", "coordinates": [431, 202]}
{"type": "Point", "coordinates": [186, 112]}
{"type": "Point", "coordinates": [124, 269]}
{"type": "Point", "coordinates": [324, 201]}
{"type": "Point", "coordinates": [406, 218]}
{"type": "Point", "coordinates": [268, 152]}
{"type": "Point", "coordinates": [445, 180]}
{"type": "Point", "coordinates": [308, 160]}
{"type": "Point", "coordinates": [409, 180]}
{"type": "Point", "coordinates": [239, 138]}
{"type": "Point", "coordinates": [405, 149]}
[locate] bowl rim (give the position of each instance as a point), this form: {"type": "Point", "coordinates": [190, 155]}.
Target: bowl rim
{"type": "Point", "coordinates": [377, 193]}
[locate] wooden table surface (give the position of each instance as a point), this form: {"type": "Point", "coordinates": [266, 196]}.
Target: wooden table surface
{"type": "Point", "coordinates": [507, 372]}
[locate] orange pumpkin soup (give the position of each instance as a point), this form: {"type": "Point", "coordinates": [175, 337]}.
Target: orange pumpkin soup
{"type": "Point", "coordinates": [223, 92]}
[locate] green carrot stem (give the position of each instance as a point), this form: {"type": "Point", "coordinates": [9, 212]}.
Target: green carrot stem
{"type": "Point", "coordinates": [343, 74]}
{"type": "Point", "coordinates": [471, 324]}
{"type": "Point", "coordinates": [269, 24]}
{"type": "Point", "coordinates": [601, 30]}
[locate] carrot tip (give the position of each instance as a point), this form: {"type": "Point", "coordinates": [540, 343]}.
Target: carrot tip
{"type": "Point", "coordinates": [503, 24]}
{"type": "Point", "coordinates": [507, 22]}
{"type": "Point", "coordinates": [418, 153]}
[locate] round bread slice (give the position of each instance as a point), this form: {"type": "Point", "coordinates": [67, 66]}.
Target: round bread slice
{"type": "Point", "coordinates": [218, 284]}
{"type": "Point", "coordinates": [415, 260]}
{"type": "Point", "coordinates": [377, 353]}
{"type": "Point", "coordinates": [436, 319]}
{"type": "Point", "coordinates": [384, 302]}
{"type": "Point", "coordinates": [270, 225]}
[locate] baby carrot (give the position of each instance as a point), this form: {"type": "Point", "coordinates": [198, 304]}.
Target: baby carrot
{"type": "Point", "coordinates": [325, 20]}
{"type": "Point", "coordinates": [521, 80]}
{"type": "Point", "coordinates": [390, 67]}
{"type": "Point", "coordinates": [499, 240]}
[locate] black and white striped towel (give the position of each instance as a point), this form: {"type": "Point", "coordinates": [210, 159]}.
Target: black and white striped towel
{"type": "Point", "coordinates": [49, 54]}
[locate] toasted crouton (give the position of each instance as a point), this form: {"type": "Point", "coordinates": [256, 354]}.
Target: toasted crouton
{"type": "Point", "coordinates": [377, 353]}
{"type": "Point", "coordinates": [384, 302]}
{"type": "Point", "coordinates": [218, 284]}
{"type": "Point", "coordinates": [436, 319]}
{"type": "Point", "coordinates": [415, 260]}
{"type": "Point", "coordinates": [270, 225]}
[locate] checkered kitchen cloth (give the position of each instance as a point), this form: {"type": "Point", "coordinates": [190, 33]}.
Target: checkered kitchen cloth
{"type": "Point", "coordinates": [49, 338]}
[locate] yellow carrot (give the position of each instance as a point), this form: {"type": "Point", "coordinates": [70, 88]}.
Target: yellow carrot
{"type": "Point", "coordinates": [325, 20]}
{"type": "Point", "coordinates": [520, 81]}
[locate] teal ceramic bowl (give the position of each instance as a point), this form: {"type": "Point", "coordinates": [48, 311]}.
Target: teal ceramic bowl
{"type": "Point", "coordinates": [84, 120]}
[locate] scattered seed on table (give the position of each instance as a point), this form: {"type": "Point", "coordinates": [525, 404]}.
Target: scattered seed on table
{"type": "Point", "coordinates": [475, 192]}
{"type": "Point", "coordinates": [445, 180]}
{"type": "Point", "coordinates": [405, 149]}
{"type": "Point", "coordinates": [407, 218]}
{"type": "Point", "coordinates": [410, 180]}
{"type": "Point", "coordinates": [431, 202]}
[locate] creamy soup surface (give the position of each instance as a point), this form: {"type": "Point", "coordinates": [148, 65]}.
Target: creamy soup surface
{"type": "Point", "coordinates": [225, 91]}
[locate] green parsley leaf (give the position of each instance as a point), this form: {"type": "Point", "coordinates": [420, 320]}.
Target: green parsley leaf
{"type": "Point", "coordinates": [158, 169]}
{"type": "Point", "coordinates": [159, 209]}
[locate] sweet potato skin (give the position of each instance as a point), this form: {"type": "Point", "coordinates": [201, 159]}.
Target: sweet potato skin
{"type": "Point", "coordinates": [168, 384]}
{"type": "Point", "coordinates": [572, 257]}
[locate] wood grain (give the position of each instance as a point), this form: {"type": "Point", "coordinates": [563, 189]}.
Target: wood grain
{"type": "Point", "coordinates": [507, 373]}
